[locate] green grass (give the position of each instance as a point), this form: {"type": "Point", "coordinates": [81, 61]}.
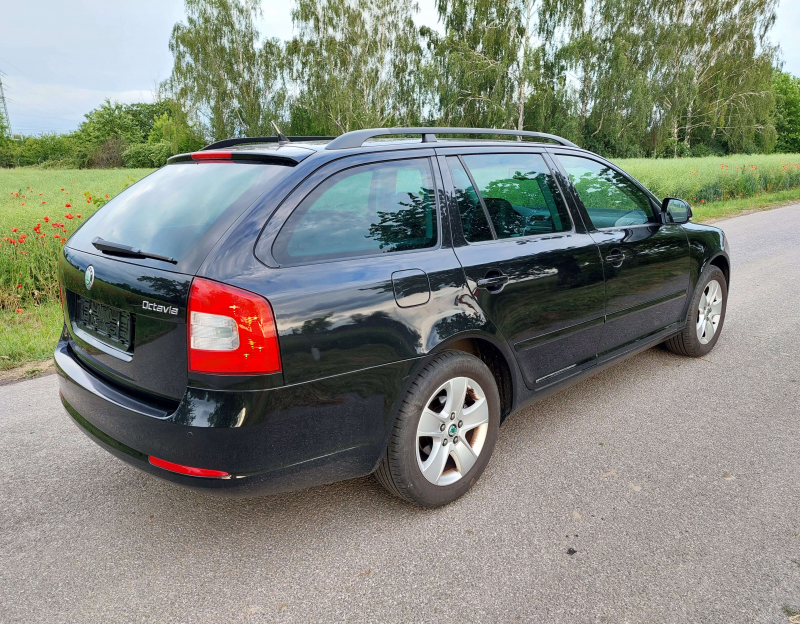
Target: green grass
{"type": "Point", "coordinates": [29, 337]}
{"type": "Point", "coordinates": [702, 181]}
{"type": "Point", "coordinates": [28, 282]}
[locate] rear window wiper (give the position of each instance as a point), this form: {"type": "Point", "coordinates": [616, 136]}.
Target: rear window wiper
{"type": "Point", "coordinates": [125, 250]}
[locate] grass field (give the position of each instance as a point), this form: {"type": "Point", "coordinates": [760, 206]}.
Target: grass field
{"type": "Point", "coordinates": [40, 208]}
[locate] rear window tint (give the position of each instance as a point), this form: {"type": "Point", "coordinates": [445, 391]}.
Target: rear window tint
{"type": "Point", "coordinates": [365, 210]}
{"type": "Point", "coordinates": [167, 212]}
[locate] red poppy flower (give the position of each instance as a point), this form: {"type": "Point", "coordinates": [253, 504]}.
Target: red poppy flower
{"type": "Point", "coordinates": [14, 229]}
{"type": "Point", "coordinates": [18, 310]}
{"type": "Point", "coordinates": [62, 189]}
{"type": "Point", "coordinates": [67, 205]}
{"type": "Point", "coordinates": [68, 215]}
{"type": "Point", "coordinates": [106, 196]}
{"type": "Point", "coordinates": [88, 201]}
{"type": "Point", "coordinates": [21, 240]}
{"type": "Point", "coordinates": [19, 285]}
{"type": "Point", "coordinates": [44, 202]}
{"type": "Point", "coordinates": [23, 203]}
{"type": "Point", "coordinates": [46, 219]}
{"type": "Point", "coordinates": [78, 216]}
{"type": "Point", "coordinates": [56, 236]}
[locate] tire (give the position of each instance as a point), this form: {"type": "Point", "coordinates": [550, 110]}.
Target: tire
{"type": "Point", "coordinates": [426, 408]}
{"type": "Point", "coordinates": [689, 341]}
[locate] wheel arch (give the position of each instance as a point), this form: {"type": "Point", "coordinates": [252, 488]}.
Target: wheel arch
{"type": "Point", "coordinates": [495, 355]}
{"type": "Point", "coordinates": [723, 263]}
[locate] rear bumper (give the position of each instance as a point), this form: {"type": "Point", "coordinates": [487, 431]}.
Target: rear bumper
{"type": "Point", "coordinates": [269, 441]}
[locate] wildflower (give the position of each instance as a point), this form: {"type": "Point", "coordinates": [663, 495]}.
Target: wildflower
{"type": "Point", "coordinates": [106, 196]}
{"type": "Point", "coordinates": [21, 240]}
{"type": "Point", "coordinates": [62, 189]}
{"type": "Point", "coordinates": [56, 236]}
{"type": "Point", "coordinates": [14, 229]}
{"type": "Point", "coordinates": [78, 216]}
{"type": "Point", "coordinates": [40, 194]}
{"type": "Point", "coordinates": [703, 201]}
{"type": "Point", "coordinates": [68, 215]}
{"type": "Point", "coordinates": [23, 203]}
{"type": "Point", "coordinates": [18, 310]}
{"type": "Point", "coordinates": [46, 219]}
{"type": "Point", "coordinates": [88, 201]}
{"type": "Point", "coordinates": [44, 202]}
{"type": "Point", "coordinates": [19, 285]}
{"type": "Point", "coordinates": [67, 205]}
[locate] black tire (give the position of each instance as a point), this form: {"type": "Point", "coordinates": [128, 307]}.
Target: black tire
{"type": "Point", "coordinates": [687, 342]}
{"type": "Point", "coordinates": [399, 471]}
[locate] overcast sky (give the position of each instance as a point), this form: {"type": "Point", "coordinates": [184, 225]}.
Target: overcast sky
{"type": "Point", "coordinates": [60, 59]}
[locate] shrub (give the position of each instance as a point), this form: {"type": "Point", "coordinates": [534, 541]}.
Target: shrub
{"type": "Point", "coordinates": [109, 153]}
{"type": "Point", "coordinates": [145, 155]}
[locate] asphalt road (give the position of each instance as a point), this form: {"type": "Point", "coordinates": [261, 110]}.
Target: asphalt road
{"type": "Point", "coordinates": [677, 481]}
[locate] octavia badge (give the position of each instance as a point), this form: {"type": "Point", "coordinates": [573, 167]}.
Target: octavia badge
{"type": "Point", "coordinates": [88, 279]}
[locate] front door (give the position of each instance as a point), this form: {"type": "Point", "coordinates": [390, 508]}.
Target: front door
{"type": "Point", "coordinates": [646, 262]}
{"type": "Point", "coordinates": [535, 275]}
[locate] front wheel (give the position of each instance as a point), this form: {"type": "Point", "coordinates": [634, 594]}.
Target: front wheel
{"type": "Point", "coordinates": [705, 318]}
{"type": "Point", "coordinates": [444, 433]}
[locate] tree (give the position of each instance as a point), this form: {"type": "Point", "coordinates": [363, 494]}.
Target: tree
{"type": "Point", "coordinates": [354, 64]}
{"type": "Point", "coordinates": [787, 111]}
{"type": "Point", "coordinates": [222, 73]}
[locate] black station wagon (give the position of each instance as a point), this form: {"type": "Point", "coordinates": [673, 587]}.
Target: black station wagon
{"type": "Point", "coordinates": [271, 313]}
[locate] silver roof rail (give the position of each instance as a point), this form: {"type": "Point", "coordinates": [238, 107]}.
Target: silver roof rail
{"type": "Point", "coordinates": [356, 138]}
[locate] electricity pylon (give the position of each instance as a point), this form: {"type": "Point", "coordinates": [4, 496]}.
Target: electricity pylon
{"type": "Point", "coordinates": [5, 120]}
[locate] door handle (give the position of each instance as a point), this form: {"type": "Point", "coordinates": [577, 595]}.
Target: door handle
{"type": "Point", "coordinates": [615, 257]}
{"type": "Point", "coordinates": [492, 281]}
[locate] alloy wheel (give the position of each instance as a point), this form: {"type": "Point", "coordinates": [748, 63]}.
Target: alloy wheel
{"type": "Point", "coordinates": [452, 430]}
{"type": "Point", "coordinates": [709, 312]}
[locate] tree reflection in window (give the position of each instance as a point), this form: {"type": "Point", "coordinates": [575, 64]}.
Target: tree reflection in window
{"type": "Point", "coordinates": [365, 210]}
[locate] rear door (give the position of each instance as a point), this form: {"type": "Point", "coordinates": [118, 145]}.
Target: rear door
{"type": "Point", "coordinates": [364, 273]}
{"type": "Point", "coordinates": [646, 261]}
{"type": "Point", "coordinates": [535, 271]}
{"type": "Point", "coordinates": [126, 315]}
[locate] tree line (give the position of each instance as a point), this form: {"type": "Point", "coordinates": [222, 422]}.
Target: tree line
{"type": "Point", "coordinates": [625, 78]}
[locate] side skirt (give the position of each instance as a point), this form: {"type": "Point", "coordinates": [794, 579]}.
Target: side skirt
{"type": "Point", "coordinates": [531, 398]}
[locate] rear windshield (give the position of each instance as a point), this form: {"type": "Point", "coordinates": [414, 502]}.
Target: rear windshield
{"type": "Point", "coordinates": [169, 211]}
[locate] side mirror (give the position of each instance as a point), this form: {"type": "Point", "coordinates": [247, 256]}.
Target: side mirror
{"type": "Point", "coordinates": [676, 210]}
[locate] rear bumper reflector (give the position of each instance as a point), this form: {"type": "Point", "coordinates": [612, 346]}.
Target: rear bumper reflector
{"type": "Point", "coordinates": [187, 470]}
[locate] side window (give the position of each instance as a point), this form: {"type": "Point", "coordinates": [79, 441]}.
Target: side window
{"type": "Point", "coordinates": [365, 210]}
{"type": "Point", "coordinates": [520, 194]}
{"type": "Point", "coordinates": [473, 218]}
{"type": "Point", "coordinates": [609, 197]}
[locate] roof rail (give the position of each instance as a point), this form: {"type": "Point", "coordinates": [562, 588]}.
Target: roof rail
{"type": "Point", "coordinates": [356, 138]}
{"type": "Point", "coordinates": [270, 139]}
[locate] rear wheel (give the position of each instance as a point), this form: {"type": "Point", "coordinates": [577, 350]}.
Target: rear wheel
{"type": "Point", "coordinates": [444, 433]}
{"type": "Point", "coordinates": [705, 318]}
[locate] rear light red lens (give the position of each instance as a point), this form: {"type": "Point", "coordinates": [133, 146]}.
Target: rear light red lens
{"type": "Point", "coordinates": [187, 470]}
{"type": "Point", "coordinates": [230, 331]}
{"type": "Point", "coordinates": [211, 155]}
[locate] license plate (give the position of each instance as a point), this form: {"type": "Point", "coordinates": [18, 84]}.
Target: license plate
{"type": "Point", "coordinates": [110, 324]}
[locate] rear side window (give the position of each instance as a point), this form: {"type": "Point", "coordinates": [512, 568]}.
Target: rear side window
{"type": "Point", "coordinates": [520, 194]}
{"type": "Point", "coordinates": [168, 211]}
{"type": "Point", "coordinates": [611, 199]}
{"type": "Point", "coordinates": [371, 209]}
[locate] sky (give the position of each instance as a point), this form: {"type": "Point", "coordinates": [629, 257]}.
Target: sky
{"type": "Point", "coordinates": [60, 59]}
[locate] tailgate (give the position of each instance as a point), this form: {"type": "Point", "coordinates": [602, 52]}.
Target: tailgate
{"type": "Point", "coordinates": [128, 323]}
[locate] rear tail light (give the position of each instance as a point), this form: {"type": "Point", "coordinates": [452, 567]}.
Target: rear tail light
{"type": "Point", "coordinates": [187, 470]}
{"type": "Point", "coordinates": [231, 331]}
